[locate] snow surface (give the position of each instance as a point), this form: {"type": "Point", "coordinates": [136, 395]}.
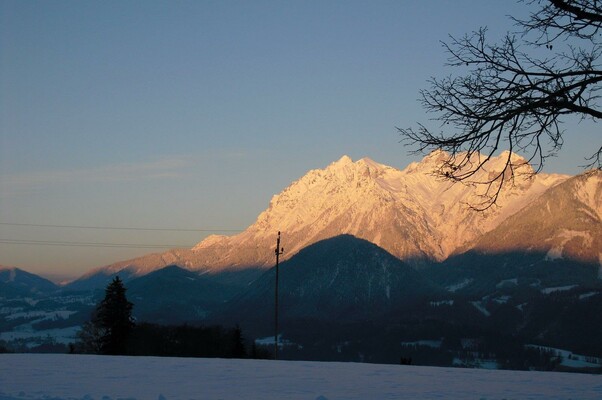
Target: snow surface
{"type": "Point", "coordinates": [476, 363]}
{"type": "Point", "coordinates": [459, 285]}
{"type": "Point", "coordinates": [558, 289]}
{"type": "Point", "coordinates": [45, 315]}
{"type": "Point", "coordinates": [31, 337]}
{"type": "Point", "coordinates": [58, 377]}
{"type": "Point", "coordinates": [507, 283]}
{"type": "Point", "coordinates": [587, 295]}
{"type": "Point", "coordinates": [502, 299]}
{"type": "Point", "coordinates": [555, 253]}
{"type": "Point", "coordinates": [434, 344]}
{"type": "Point", "coordinates": [269, 341]}
{"type": "Point", "coordinates": [442, 303]}
{"type": "Point", "coordinates": [34, 338]}
{"type": "Point", "coordinates": [570, 359]}
{"type": "Point", "coordinates": [479, 306]}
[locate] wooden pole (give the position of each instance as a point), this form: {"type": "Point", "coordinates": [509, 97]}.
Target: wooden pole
{"type": "Point", "coordinates": [278, 252]}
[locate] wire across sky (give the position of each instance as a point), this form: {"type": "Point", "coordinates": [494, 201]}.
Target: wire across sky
{"type": "Point", "coordinates": [121, 228]}
{"type": "Point", "coordinates": [67, 243]}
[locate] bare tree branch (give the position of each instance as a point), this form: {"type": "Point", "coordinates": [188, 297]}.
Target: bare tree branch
{"type": "Point", "coordinates": [513, 94]}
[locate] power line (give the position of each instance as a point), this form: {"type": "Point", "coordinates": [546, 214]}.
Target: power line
{"type": "Point", "coordinates": [119, 228]}
{"type": "Point", "coordinates": [117, 245]}
{"type": "Point", "coordinates": [90, 244]}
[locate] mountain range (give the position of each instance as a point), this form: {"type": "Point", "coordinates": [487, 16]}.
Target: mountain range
{"type": "Point", "coordinates": [373, 254]}
{"type": "Point", "coordinates": [411, 213]}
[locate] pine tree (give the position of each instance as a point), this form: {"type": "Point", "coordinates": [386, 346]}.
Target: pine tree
{"type": "Point", "coordinates": [238, 345]}
{"type": "Point", "coordinates": [108, 330]}
{"type": "Point", "coordinates": [90, 337]}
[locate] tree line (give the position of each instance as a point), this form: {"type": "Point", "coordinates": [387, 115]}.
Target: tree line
{"type": "Point", "coordinates": [113, 331]}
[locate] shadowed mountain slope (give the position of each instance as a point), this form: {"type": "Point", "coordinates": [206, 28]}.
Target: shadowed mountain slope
{"type": "Point", "coordinates": [338, 279]}
{"type": "Point", "coordinates": [15, 282]}
{"type": "Point", "coordinates": [563, 223]}
{"type": "Point", "coordinates": [175, 295]}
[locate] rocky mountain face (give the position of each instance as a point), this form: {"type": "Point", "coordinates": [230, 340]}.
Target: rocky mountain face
{"type": "Point", "coordinates": [556, 240]}
{"type": "Point", "coordinates": [411, 213]}
{"type": "Point", "coordinates": [565, 222]}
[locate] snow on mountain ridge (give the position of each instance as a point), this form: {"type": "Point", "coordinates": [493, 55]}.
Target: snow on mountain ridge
{"type": "Point", "coordinates": [589, 193]}
{"type": "Point", "coordinates": [411, 213]}
{"type": "Point", "coordinates": [563, 223]}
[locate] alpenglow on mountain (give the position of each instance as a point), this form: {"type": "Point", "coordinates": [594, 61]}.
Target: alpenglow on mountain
{"type": "Point", "coordinates": [412, 213]}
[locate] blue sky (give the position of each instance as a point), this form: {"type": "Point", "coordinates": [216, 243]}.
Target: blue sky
{"type": "Point", "coordinates": [193, 114]}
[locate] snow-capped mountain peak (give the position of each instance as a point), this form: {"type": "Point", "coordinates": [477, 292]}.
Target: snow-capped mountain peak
{"type": "Point", "coordinates": [344, 160]}
{"type": "Point", "coordinates": [412, 213]}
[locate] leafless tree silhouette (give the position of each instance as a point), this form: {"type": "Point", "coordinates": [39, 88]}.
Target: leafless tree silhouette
{"type": "Point", "coordinates": [513, 94]}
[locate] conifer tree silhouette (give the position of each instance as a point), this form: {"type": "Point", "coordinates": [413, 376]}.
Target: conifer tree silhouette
{"type": "Point", "coordinates": [111, 323]}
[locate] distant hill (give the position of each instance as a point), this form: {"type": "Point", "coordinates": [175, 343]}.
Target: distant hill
{"type": "Point", "coordinates": [175, 295]}
{"type": "Point", "coordinates": [15, 282]}
{"type": "Point", "coordinates": [338, 279]}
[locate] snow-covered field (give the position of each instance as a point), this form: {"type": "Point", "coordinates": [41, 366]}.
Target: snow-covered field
{"type": "Point", "coordinates": [57, 377]}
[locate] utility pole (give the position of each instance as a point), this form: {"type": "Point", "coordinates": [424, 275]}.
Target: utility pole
{"type": "Point", "coordinates": [278, 252]}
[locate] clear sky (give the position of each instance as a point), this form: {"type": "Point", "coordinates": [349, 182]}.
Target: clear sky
{"type": "Point", "coordinates": [192, 115]}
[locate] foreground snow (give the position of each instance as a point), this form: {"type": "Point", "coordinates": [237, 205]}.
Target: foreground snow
{"type": "Point", "coordinates": [57, 377]}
